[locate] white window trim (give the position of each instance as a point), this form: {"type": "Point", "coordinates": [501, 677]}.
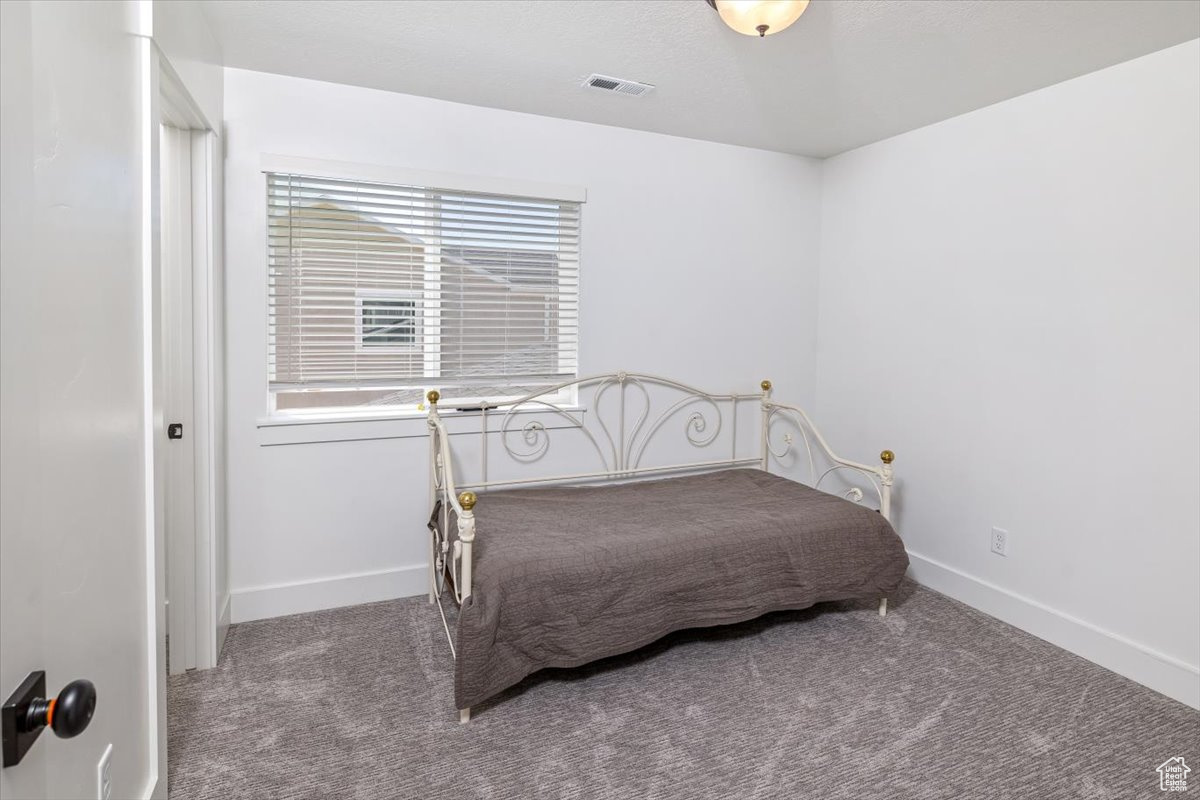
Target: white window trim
{"type": "Point", "coordinates": [567, 400]}
{"type": "Point", "coordinates": [381, 173]}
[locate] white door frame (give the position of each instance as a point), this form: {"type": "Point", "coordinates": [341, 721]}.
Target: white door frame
{"type": "Point", "coordinates": [192, 366]}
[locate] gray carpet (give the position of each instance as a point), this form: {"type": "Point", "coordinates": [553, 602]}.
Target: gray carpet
{"type": "Point", "coordinates": [934, 701]}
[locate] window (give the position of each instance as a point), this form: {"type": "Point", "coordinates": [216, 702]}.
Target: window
{"type": "Point", "coordinates": [379, 292]}
{"type": "Point", "coordinates": [387, 321]}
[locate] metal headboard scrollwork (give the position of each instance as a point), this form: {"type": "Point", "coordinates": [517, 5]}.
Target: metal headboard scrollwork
{"type": "Point", "coordinates": [621, 405]}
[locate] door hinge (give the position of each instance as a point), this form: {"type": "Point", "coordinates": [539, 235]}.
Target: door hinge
{"type": "Point", "coordinates": [175, 430]}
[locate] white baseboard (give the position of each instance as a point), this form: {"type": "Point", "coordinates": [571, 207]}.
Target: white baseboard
{"type": "Point", "coordinates": [1162, 673]}
{"type": "Point", "coordinates": [263, 602]}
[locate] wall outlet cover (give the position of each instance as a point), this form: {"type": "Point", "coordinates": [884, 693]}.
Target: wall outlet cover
{"type": "Point", "coordinates": [1000, 541]}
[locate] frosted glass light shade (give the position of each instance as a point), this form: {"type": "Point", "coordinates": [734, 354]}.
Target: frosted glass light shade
{"type": "Point", "coordinates": [759, 17]}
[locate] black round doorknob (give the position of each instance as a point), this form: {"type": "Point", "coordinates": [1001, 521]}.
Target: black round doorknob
{"type": "Point", "coordinates": [68, 714]}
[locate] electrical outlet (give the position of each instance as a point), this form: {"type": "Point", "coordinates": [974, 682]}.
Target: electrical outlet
{"type": "Point", "coordinates": [1000, 541]}
{"type": "Point", "coordinates": [104, 775]}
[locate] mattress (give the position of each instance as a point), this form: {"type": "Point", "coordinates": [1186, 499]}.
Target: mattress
{"type": "Point", "coordinates": [568, 575]}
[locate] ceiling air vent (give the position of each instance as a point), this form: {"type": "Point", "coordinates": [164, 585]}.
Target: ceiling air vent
{"type": "Point", "coordinates": [618, 85]}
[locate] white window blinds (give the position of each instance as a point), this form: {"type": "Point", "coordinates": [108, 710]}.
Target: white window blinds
{"type": "Point", "coordinates": [378, 291]}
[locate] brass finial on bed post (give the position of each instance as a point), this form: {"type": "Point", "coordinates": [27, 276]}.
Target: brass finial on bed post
{"type": "Point", "coordinates": [766, 386]}
{"type": "Point", "coordinates": [887, 456]}
{"type": "Point", "coordinates": [433, 395]}
{"type": "Point", "coordinates": [467, 500]}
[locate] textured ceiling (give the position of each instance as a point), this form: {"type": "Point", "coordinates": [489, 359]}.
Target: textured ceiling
{"type": "Point", "coordinates": [849, 72]}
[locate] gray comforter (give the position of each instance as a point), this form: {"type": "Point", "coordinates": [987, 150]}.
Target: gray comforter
{"type": "Point", "coordinates": [567, 575]}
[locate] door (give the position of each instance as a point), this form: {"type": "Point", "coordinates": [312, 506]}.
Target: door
{"type": "Point", "coordinates": [76, 497]}
{"type": "Point", "coordinates": [192, 367]}
{"type": "Point", "coordinates": [175, 174]}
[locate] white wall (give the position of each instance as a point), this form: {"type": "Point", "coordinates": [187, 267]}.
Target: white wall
{"type": "Point", "coordinates": [1010, 300]}
{"type": "Point", "coordinates": [699, 263]}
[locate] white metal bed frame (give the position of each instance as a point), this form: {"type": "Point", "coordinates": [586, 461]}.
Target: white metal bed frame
{"type": "Point", "coordinates": [620, 456]}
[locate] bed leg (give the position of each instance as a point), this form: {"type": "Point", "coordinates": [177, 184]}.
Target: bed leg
{"type": "Point", "coordinates": [464, 716]}
{"type": "Point", "coordinates": [432, 574]}
{"type": "Point", "coordinates": [883, 606]}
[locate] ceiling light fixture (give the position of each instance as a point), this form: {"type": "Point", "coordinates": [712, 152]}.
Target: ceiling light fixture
{"type": "Point", "coordinates": [761, 17]}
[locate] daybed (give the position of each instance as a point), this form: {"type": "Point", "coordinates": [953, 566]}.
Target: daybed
{"type": "Point", "coordinates": [559, 571]}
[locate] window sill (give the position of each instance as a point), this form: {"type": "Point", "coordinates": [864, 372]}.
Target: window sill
{"type": "Point", "coordinates": [287, 420]}
{"type": "Point", "coordinates": [351, 427]}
